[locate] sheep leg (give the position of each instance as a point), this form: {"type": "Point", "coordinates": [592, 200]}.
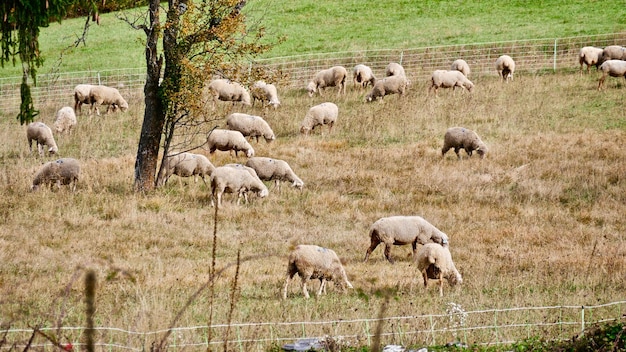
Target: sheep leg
{"type": "Point", "coordinates": [304, 290]}
{"type": "Point", "coordinates": [425, 277]}
{"type": "Point", "coordinates": [440, 283]}
{"type": "Point", "coordinates": [601, 82]}
{"type": "Point", "coordinates": [388, 252]}
{"type": "Point", "coordinates": [456, 151]}
{"type": "Point", "coordinates": [322, 287]}
{"type": "Point", "coordinates": [374, 243]}
{"type": "Point", "coordinates": [287, 280]}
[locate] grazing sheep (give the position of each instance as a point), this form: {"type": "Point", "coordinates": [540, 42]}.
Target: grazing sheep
{"type": "Point", "coordinates": [387, 86]}
{"type": "Point", "coordinates": [64, 171]}
{"type": "Point", "coordinates": [81, 96]}
{"type": "Point", "coordinates": [318, 115]}
{"type": "Point", "coordinates": [266, 93]}
{"type": "Point", "coordinates": [227, 140]}
{"type": "Point", "coordinates": [314, 262]}
{"type": "Point", "coordinates": [463, 138]}
{"type": "Point", "coordinates": [333, 77]}
{"type": "Point", "coordinates": [187, 165]}
{"type": "Point", "coordinates": [613, 68]}
{"type": "Point", "coordinates": [394, 69]}
{"type": "Point", "coordinates": [613, 52]}
{"type": "Point", "coordinates": [225, 90]}
{"type": "Point", "coordinates": [461, 66]}
{"type": "Point", "coordinates": [590, 56]}
{"type": "Point", "coordinates": [99, 95]}
{"type": "Point", "coordinates": [402, 230]}
{"type": "Point", "coordinates": [362, 75]}
{"type": "Point", "coordinates": [250, 126]}
{"type": "Point", "coordinates": [269, 169]}
{"type": "Point", "coordinates": [65, 120]}
{"type": "Point", "coordinates": [227, 179]}
{"type": "Point", "coordinates": [505, 67]}
{"type": "Point", "coordinates": [42, 134]}
{"type": "Point", "coordinates": [435, 262]}
{"type": "Point", "coordinates": [449, 79]}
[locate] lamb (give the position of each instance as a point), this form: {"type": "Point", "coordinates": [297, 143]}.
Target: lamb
{"type": "Point", "coordinates": [250, 126]}
{"type": "Point", "coordinates": [333, 77]}
{"type": "Point", "coordinates": [362, 75]}
{"type": "Point", "coordinates": [402, 230]}
{"type": "Point", "coordinates": [269, 169]}
{"type": "Point", "coordinates": [227, 140]}
{"type": "Point", "coordinates": [318, 115]}
{"type": "Point", "coordinates": [314, 262]}
{"type": "Point", "coordinates": [394, 69]}
{"type": "Point", "coordinates": [225, 179]}
{"type": "Point", "coordinates": [81, 96]}
{"type": "Point", "coordinates": [463, 138]}
{"type": "Point", "coordinates": [65, 120]}
{"type": "Point", "coordinates": [387, 86]}
{"type": "Point", "coordinates": [461, 66]}
{"type": "Point", "coordinates": [186, 165]}
{"type": "Point", "coordinates": [64, 171]}
{"type": "Point", "coordinates": [42, 135]}
{"type": "Point", "coordinates": [435, 262]}
{"type": "Point", "coordinates": [225, 90]}
{"type": "Point", "coordinates": [265, 92]}
{"type": "Point", "coordinates": [99, 95]}
{"type": "Point", "coordinates": [505, 67]}
{"type": "Point", "coordinates": [613, 52]}
{"type": "Point", "coordinates": [449, 79]}
{"type": "Point", "coordinates": [613, 68]}
{"type": "Point", "coordinates": [590, 56]}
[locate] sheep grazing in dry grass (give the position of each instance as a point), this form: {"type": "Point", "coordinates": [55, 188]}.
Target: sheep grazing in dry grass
{"type": "Point", "coordinates": [613, 68]}
{"type": "Point", "coordinates": [65, 120]}
{"type": "Point", "coordinates": [463, 138]}
{"type": "Point", "coordinates": [505, 67]}
{"type": "Point", "coordinates": [387, 86]}
{"type": "Point", "coordinates": [333, 77]}
{"type": "Point", "coordinates": [102, 95]}
{"type": "Point", "coordinates": [266, 93]}
{"type": "Point", "coordinates": [590, 56]}
{"type": "Point", "coordinates": [394, 69]}
{"type": "Point", "coordinates": [227, 140]}
{"type": "Point", "coordinates": [362, 75]}
{"type": "Point", "coordinates": [315, 262]}
{"type": "Point", "coordinates": [461, 66]}
{"type": "Point", "coordinates": [318, 115]}
{"type": "Point", "coordinates": [226, 179]}
{"type": "Point", "coordinates": [40, 133]}
{"type": "Point", "coordinates": [269, 169]}
{"type": "Point", "coordinates": [81, 96]}
{"type": "Point", "coordinates": [435, 262]}
{"type": "Point", "coordinates": [64, 171]}
{"type": "Point", "coordinates": [613, 52]}
{"type": "Point", "coordinates": [449, 79]}
{"type": "Point", "coordinates": [225, 90]}
{"type": "Point", "coordinates": [187, 165]}
{"type": "Point", "coordinates": [250, 126]}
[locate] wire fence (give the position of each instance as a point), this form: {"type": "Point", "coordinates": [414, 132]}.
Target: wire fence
{"type": "Point", "coordinates": [531, 56]}
{"type": "Point", "coordinates": [484, 327]}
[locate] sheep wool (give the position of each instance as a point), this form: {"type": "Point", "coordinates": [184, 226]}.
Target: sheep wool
{"type": "Point", "coordinates": [40, 133]}
{"type": "Point", "coordinates": [225, 90]}
{"type": "Point", "coordinates": [64, 171]}
{"type": "Point", "coordinates": [590, 56]}
{"type": "Point", "coordinates": [505, 67]}
{"type": "Point", "coordinates": [315, 262]}
{"type": "Point", "coordinates": [65, 120]}
{"type": "Point", "coordinates": [235, 180]}
{"type": "Point", "coordinates": [333, 77]}
{"type": "Point", "coordinates": [266, 93]}
{"type": "Point", "coordinates": [463, 138]}
{"type": "Point", "coordinates": [461, 66]}
{"type": "Point", "coordinates": [250, 126]}
{"type": "Point", "coordinates": [387, 86]}
{"type": "Point", "coordinates": [81, 96]}
{"type": "Point", "coordinates": [269, 169]}
{"type": "Point", "coordinates": [449, 79]}
{"type": "Point", "coordinates": [435, 262]}
{"type": "Point", "coordinates": [227, 140]}
{"type": "Point", "coordinates": [318, 115]}
{"type": "Point", "coordinates": [394, 69]}
{"type": "Point", "coordinates": [362, 75]}
{"type": "Point", "coordinates": [613, 52]}
{"type": "Point", "coordinates": [187, 165]}
{"type": "Point", "coordinates": [613, 68]}
{"type": "Point", "coordinates": [102, 95]}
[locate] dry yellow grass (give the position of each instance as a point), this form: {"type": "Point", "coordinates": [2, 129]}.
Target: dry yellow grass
{"type": "Point", "coordinates": [523, 223]}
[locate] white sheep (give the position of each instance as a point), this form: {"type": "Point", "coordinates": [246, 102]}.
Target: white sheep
{"type": "Point", "coordinates": [315, 262]}
{"type": "Point", "coordinates": [227, 140]}
{"type": "Point", "coordinates": [227, 179]}
{"type": "Point", "coordinates": [387, 86]}
{"type": "Point", "coordinates": [269, 169]}
{"type": "Point", "coordinates": [65, 120]}
{"type": "Point", "coordinates": [187, 165]}
{"type": "Point", "coordinates": [461, 66]}
{"type": "Point", "coordinates": [64, 171]}
{"type": "Point", "coordinates": [250, 126]}
{"type": "Point", "coordinates": [103, 95]}
{"type": "Point", "coordinates": [613, 68]}
{"type": "Point", "coordinates": [435, 262]}
{"type": "Point", "coordinates": [40, 133]}
{"type": "Point", "coordinates": [613, 52]}
{"type": "Point", "coordinates": [402, 230]}
{"type": "Point", "coordinates": [590, 56]}
{"type": "Point", "coordinates": [463, 138]}
{"type": "Point", "coordinates": [266, 93]}
{"type": "Point", "coordinates": [394, 69]}
{"type": "Point", "coordinates": [318, 115]}
{"type": "Point", "coordinates": [333, 77]}
{"type": "Point", "coordinates": [505, 67]}
{"type": "Point", "coordinates": [225, 90]}
{"type": "Point", "coordinates": [362, 75]}
{"type": "Point", "coordinates": [449, 79]}
{"type": "Point", "coordinates": [81, 96]}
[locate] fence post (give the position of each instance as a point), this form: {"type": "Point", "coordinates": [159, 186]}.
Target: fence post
{"type": "Point", "coordinates": [582, 320]}
{"type": "Point", "coordinates": [555, 47]}
{"type": "Point", "coordinates": [401, 57]}
{"type": "Point", "coordinates": [99, 82]}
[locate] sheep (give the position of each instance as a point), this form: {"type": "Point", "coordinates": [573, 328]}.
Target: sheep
{"type": "Point", "coordinates": [449, 79]}
{"type": "Point", "coordinates": [186, 165]}
{"type": "Point", "coordinates": [463, 138]}
{"type": "Point", "coordinates": [387, 86]}
{"type": "Point", "coordinates": [42, 135]}
{"type": "Point", "coordinates": [333, 77]}
{"type": "Point", "coordinates": [314, 262]}
{"type": "Point", "coordinates": [64, 171]}
{"type": "Point", "coordinates": [613, 52]}
{"type": "Point", "coordinates": [81, 96]}
{"type": "Point", "coordinates": [394, 69]}
{"type": "Point", "coordinates": [269, 169]}
{"type": "Point", "coordinates": [225, 90]}
{"type": "Point", "coordinates": [362, 75]}
{"type": "Point", "coordinates": [435, 262]}
{"type": "Point", "coordinates": [402, 230]}
{"type": "Point", "coordinates": [227, 140]}
{"type": "Point", "coordinates": [225, 179]}
{"type": "Point", "coordinates": [265, 92]}
{"type": "Point", "coordinates": [505, 67]}
{"type": "Point", "coordinates": [461, 66]}
{"type": "Point", "coordinates": [99, 95]}
{"type": "Point", "coordinates": [65, 120]}
{"type": "Point", "coordinates": [318, 115]}
{"type": "Point", "coordinates": [613, 68]}
{"type": "Point", "coordinates": [590, 56]}
{"type": "Point", "coordinates": [250, 126]}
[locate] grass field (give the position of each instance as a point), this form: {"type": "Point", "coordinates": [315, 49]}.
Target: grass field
{"type": "Point", "coordinates": [538, 222]}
